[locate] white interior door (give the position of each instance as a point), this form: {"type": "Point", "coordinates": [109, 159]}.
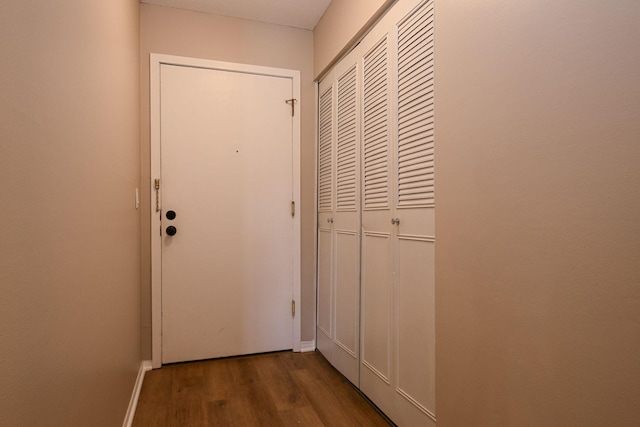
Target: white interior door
{"type": "Point", "coordinates": [226, 172]}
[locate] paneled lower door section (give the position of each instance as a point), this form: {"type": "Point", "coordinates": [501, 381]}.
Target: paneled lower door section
{"type": "Point", "coordinates": [347, 289]}
{"type": "Point", "coordinates": [376, 310]}
{"type": "Point", "coordinates": [377, 321]}
{"type": "Point", "coordinates": [415, 296]}
{"type": "Point", "coordinates": [325, 291]}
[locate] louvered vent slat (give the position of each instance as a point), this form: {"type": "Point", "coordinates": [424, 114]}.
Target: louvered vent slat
{"type": "Point", "coordinates": [376, 112]}
{"type": "Point", "coordinates": [415, 108]}
{"type": "Point", "coordinates": [375, 127]}
{"type": "Point", "coordinates": [378, 185]}
{"type": "Point", "coordinates": [325, 161]}
{"type": "Point", "coordinates": [410, 107]}
{"type": "Point", "coordinates": [378, 146]}
{"type": "Point", "coordinates": [376, 81]}
{"type": "Point", "coordinates": [346, 172]}
{"type": "Point", "coordinates": [422, 14]}
{"type": "Point", "coordinates": [378, 140]}
{"type": "Point", "coordinates": [378, 164]}
{"type": "Point", "coordinates": [413, 175]}
{"type": "Point", "coordinates": [377, 176]}
{"type": "Point", "coordinates": [377, 152]}
{"type": "Point", "coordinates": [410, 145]}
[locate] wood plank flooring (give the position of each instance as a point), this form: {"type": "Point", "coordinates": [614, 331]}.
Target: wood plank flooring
{"type": "Point", "coordinates": [274, 389]}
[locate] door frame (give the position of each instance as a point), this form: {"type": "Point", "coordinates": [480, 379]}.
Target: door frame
{"type": "Point", "coordinates": [155, 62]}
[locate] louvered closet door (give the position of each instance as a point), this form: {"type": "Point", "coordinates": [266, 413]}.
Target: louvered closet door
{"type": "Point", "coordinates": [326, 191]}
{"type": "Point", "coordinates": [377, 332]}
{"type": "Point", "coordinates": [377, 106]}
{"type": "Point", "coordinates": [415, 210]}
{"type": "Point", "coordinates": [398, 305]}
{"type": "Point", "coordinates": [347, 220]}
{"type": "Point", "coordinates": [343, 223]}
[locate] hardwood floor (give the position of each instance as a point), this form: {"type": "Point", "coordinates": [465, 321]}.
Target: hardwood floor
{"type": "Point", "coordinates": [274, 389]}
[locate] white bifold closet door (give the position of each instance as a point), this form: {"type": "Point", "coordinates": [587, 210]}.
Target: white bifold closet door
{"type": "Point", "coordinates": [387, 239]}
{"type": "Point", "coordinates": [398, 215]}
{"type": "Point", "coordinates": [339, 219]}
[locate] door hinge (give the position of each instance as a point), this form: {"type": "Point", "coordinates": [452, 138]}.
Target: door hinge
{"type": "Point", "coordinates": [293, 308]}
{"type": "Point", "coordinates": [293, 208]}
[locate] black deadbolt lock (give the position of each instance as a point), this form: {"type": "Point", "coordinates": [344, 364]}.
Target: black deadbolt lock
{"type": "Point", "coordinates": [171, 214]}
{"type": "Point", "coordinates": [171, 230]}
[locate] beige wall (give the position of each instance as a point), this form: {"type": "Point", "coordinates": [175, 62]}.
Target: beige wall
{"type": "Point", "coordinates": [344, 22]}
{"type": "Point", "coordinates": [69, 251]}
{"type": "Point", "coordinates": [538, 208]}
{"type": "Point", "coordinates": [200, 35]}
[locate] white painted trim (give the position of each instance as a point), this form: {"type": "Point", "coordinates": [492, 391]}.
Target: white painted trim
{"type": "Point", "coordinates": [155, 61]}
{"type": "Point", "coordinates": [307, 346]}
{"type": "Point", "coordinates": [145, 366]}
{"type": "Point", "coordinates": [297, 251]}
{"type": "Point", "coordinates": [415, 403]}
{"type": "Point", "coordinates": [156, 238]}
{"type": "Point", "coordinates": [316, 114]}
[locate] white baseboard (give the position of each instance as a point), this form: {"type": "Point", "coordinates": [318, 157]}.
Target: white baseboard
{"type": "Point", "coordinates": [307, 346]}
{"type": "Point", "coordinates": [145, 366]}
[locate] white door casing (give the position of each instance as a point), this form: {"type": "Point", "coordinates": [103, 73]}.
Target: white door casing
{"type": "Point", "coordinates": [239, 222]}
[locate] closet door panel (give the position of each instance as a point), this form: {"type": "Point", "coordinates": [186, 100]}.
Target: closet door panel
{"type": "Point", "coordinates": [376, 367]}
{"type": "Point", "coordinates": [326, 259]}
{"type": "Point", "coordinates": [377, 277]}
{"type": "Point", "coordinates": [415, 215]}
{"type": "Point", "coordinates": [376, 372]}
{"type": "Point", "coordinates": [346, 304]}
{"type": "Point", "coordinates": [347, 220]}
{"type": "Point", "coordinates": [346, 290]}
{"type": "Point", "coordinates": [375, 134]}
{"type": "Point", "coordinates": [339, 217]}
{"type": "Point", "coordinates": [415, 150]}
{"type": "Point", "coordinates": [416, 326]}
{"type": "Point", "coordinates": [325, 149]}
{"type": "Point", "coordinates": [325, 294]}
{"type": "Point", "coordinates": [347, 136]}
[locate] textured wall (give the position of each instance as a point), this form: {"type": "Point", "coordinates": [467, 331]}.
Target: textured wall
{"type": "Point", "coordinates": [343, 23]}
{"type": "Point", "coordinates": [538, 201]}
{"type": "Point", "coordinates": [200, 35]}
{"type": "Point", "coordinates": [69, 251]}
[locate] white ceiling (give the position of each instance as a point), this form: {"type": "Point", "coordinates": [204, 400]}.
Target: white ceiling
{"type": "Point", "coordinates": [293, 13]}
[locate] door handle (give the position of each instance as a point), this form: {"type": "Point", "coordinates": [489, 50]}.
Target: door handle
{"type": "Point", "coordinates": [330, 220]}
{"type": "Point", "coordinates": [395, 221]}
{"type": "Point", "coordinates": [171, 230]}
